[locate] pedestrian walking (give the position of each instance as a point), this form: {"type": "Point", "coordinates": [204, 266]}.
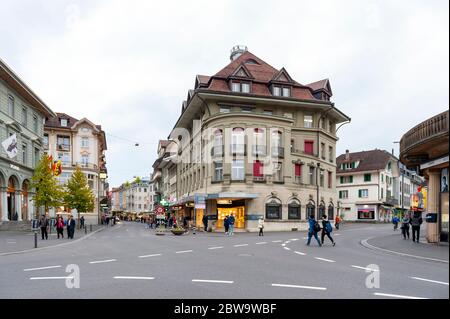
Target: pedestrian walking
{"type": "Point", "coordinates": [43, 223]}
{"type": "Point", "coordinates": [60, 226]}
{"type": "Point", "coordinates": [337, 222]}
{"type": "Point", "coordinates": [205, 222]}
{"type": "Point", "coordinates": [70, 227]}
{"type": "Point", "coordinates": [327, 229]}
{"type": "Point", "coordinates": [261, 226]}
{"type": "Point", "coordinates": [231, 221]}
{"type": "Point", "coordinates": [395, 221]}
{"type": "Point", "coordinates": [405, 226]}
{"type": "Point", "coordinates": [82, 222]}
{"type": "Point", "coordinates": [416, 221]}
{"type": "Point", "coordinates": [314, 228]}
{"type": "Point", "coordinates": [226, 224]}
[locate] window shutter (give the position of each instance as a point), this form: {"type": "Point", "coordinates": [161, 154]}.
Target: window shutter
{"type": "Point", "coordinates": [342, 180]}
{"type": "Point", "coordinates": [340, 194]}
{"type": "Point", "coordinates": [359, 193]}
{"type": "Point", "coordinates": [298, 170]}
{"type": "Point", "coordinates": [351, 179]}
{"type": "Point", "coordinates": [257, 168]}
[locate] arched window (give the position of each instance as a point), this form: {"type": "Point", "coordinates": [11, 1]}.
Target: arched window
{"type": "Point", "coordinates": [218, 143]}
{"type": "Point", "coordinates": [321, 210]}
{"type": "Point", "coordinates": [237, 141]}
{"type": "Point", "coordinates": [259, 142]}
{"type": "Point", "coordinates": [294, 209]}
{"type": "Point", "coordinates": [277, 149]}
{"type": "Point", "coordinates": [310, 209]}
{"type": "Point", "coordinates": [331, 211]}
{"type": "Point", "coordinates": [273, 209]}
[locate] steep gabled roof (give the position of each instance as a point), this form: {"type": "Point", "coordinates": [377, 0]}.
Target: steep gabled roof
{"type": "Point", "coordinates": [242, 72]}
{"type": "Point", "coordinates": [282, 76]}
{"type": "Point", "coordinates": [321, 85]}
{"type": "Point", "coordinates": [56, 121]}
{"type": "Point", "coordinates": [368, 161]}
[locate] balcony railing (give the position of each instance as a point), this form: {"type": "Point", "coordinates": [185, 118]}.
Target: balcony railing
{"type": "Point", "coordinates": [259, 150]}
{"type": "Point", "coordinates": [85, 165]}
{"type": "Point", "coordinates": [433, 127]}
{"type": "Point", "coordinates": [298, 151]}
{"type": "Point", "coordinates": [259, 178]}
{"type": "Point", "coordinates": [278, 151]}
{"type": "Point", "coordinates": [217, 150]}
{"type": "Point", "coordinates": [298, 180]}
{"type": "Point", "coordinates": [238, 149]}
{"type": "Point", "coordinates": [63, 147]}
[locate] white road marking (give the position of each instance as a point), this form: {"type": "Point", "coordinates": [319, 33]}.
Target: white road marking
{"type": "Point", "coordinates": [287, 242]}
{"type": "Point", "coordinates": [153, 255]}
{"type": "Point", "coordinates": [305, 237]}
{"type": "Point", "coordinates": [213, 281]}
{"type": "Point", "coordinates": [132, 277]}
{"type": "Point", "coordinates": [287, 248]}
{"type": "Point", "coordinates": [102, 261]}
{"type": "Point", "coordinates": [294, 239]}
{"type": "Point", "coordinates": [276, 241]}
{"type": "Point", "coordinates": [49, 267]}
{"type": "Point", "coordinates": [261, 243]}
{"type": "Point", "coordinates": [218, 247]}
{"type": "Point", "coordinates": [44, 278]}
{"type": "Point", "coordinates": [365, 268]}
{"type": "Point", "coordinates": [337, 234]}
{"type": "Point", "coordinates": [302, 287]}
{"type": "Point", "coordinates": [397, 296]}
{"type": "Point", "coordinates": [300, 253]}
{"type": "Point", "coordinates": [283, 245]}
{"type": "Point", "coordinates": [241, 245]}
{"type": "Point", "coordinates": [183, 251]}
{"type": "Point", "coordinates": [429, 280]}
{"type": "Point", "coordinates": [327, 260]}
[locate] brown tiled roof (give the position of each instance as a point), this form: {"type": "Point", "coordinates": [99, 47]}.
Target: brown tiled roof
{"type": "Point", "coordinates": [261, 74]}
{"type": "Point", "coordinates": [203, 79]}
{"type": "Point", "coordinates": [369, 161]}
{"type": "Point", "coordinates": [322, 84]}
{"type": "Point", "coordinates": [56, 121]}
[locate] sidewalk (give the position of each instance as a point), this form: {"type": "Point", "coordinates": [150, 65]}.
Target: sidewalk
{"type": "Point", "coordinates": [394, 242]}
{"type": "Point", "coordinates": [15, 241]}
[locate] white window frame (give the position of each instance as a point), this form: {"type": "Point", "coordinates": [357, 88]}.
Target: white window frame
{"type": "Point", "coordinates": [276, 90]}
{"type": "Point", "coordinates": [85, 142]}
{"type": "Point", "coordinates": [286, 89]}
{"type": "Point", "coordinates": [24, 116]}
{"type": "Point", "coordinates": [65, 121]}
{"type": "Point", "coordinates": [308, 121]}
{"type": "Point", "coordinates": [218, 171]}
{"type": "Point", "coordinates": [238, 171]}
{"type": "Point", "coordinates": [245, 87]}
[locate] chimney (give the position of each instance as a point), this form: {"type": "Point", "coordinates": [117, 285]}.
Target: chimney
{"type": "Point", "coordinates": [393, 152]}
{"type": "Point", "coordinates": [237, 51]}
{"type": "Point", "coordinates": [347, 155]}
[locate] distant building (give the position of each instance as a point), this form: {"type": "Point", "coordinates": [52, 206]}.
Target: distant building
{"type": "Point", "coordinates": [132, 199]}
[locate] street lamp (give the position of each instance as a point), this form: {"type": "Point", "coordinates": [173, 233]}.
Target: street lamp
{"type": "Point", "coordinates": [401, 167]}
{"type": "Point", "coordinates": [317, 182]}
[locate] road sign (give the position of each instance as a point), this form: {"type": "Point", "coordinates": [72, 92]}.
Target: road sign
{"type": "Point", "coordinates": [200, 201]}
{"type": "Point", "coordinates": [160, 210]}
{"type": "Point", "coordinates": [34, 224]}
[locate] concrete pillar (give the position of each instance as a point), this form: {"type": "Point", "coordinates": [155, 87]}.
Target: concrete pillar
{"type": "Point", "coordinates": [18, 204]}
{"type": "Point", "coordinates": [4, 206]}
{"type": "Point", "coordinates": [31, 212]}
{"type": "Point", "coordinates": [433, 206]}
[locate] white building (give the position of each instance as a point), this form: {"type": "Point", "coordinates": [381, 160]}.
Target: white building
{"type": "Point", "coordinates": [365, 185]}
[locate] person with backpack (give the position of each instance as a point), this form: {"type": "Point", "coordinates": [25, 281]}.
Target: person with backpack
{"type": "Point", "coordinates": [416, 221]}
{"type": "Point", "coordinates": [327, 229]}
{"type": "Point", "coordinates": [43, 223]}
{"type": "Point", "coordinates": [395, 221]}
{"type": "Point", "coordinates": [405, 225]}
{"type": "Point", "coordinates": [314, 228]}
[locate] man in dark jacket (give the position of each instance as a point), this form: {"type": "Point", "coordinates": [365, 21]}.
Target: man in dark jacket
{"type": "Point", "coordinates": [205, 222]}
{"type": "Point", "coordinates": [326, 229]}
{"type": "Point", "coordinates": [43, 223]}
{"type": "Point", "coordinates": [416, 221]}
{"type": "Point", "coordinates": [70, 227]}
{"type": "Point", "coordinates": [313, 230]}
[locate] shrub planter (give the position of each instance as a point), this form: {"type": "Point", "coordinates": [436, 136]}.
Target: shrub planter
{"type": "Point", "coordinates": [178, 232]}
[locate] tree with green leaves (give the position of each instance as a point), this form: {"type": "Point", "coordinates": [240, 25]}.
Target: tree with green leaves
{"type": "Point", "coordinates": [48, 192]}
{"type": "Point", "coordinates": [78, 195]}
{"type": "Point", "coordinates": [137, 180]}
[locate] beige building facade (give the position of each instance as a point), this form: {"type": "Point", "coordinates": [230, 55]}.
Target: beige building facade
{"type": "Point", "coordinates": [252, 142]}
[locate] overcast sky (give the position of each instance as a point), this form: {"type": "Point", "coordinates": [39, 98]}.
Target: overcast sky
{"type": "Point", "coordinates": [127, 65]}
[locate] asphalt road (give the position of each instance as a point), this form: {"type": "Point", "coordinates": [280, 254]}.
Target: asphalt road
{"type": "Point", "coordinates": [129, 261]}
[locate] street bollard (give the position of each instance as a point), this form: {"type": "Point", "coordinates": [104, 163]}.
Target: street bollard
{"type": "Point", "coordinates": [90, 227]}
{"type": "Point", "coordinates": [35, 239]}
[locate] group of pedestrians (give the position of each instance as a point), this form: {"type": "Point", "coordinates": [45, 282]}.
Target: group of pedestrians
{"type": "Point", "coordinates": [228, 224]}
{"type": "Point", "coordinates": [314, 229]}
{"type": "Point", "coordinates": [415, 221]}
{"type": "Point", "coordinates": [44, 224]}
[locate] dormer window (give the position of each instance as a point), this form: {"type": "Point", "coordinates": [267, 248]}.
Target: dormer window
{"type": "Point", "coordinates": [64, 122]}
{"type": "Point", "coordinates": [281, 91]}
{"type": "Point", "coordinates": [243, 87]}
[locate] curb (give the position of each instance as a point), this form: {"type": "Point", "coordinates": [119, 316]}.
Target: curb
{"type": "Point", "coordinates": [369, 246]}
{"type": "Point", "coordinates": [47, 247]}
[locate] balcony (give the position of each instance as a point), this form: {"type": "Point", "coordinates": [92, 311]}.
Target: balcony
{"type": "Point", "coordinates": [217, 150]}
{"type": "Point", "coordinates": [63, 147]}
{"type": "Point", "coordinates": [237, 149]}
{"type": "Point", "coordinates": [278, 151]}
{"type": "Point", "coordinates": [259, 150]}
{"type": "Point", "coordinates": [298, 151]}
{"type": "Point", "coordinates": [426, 141]}
{"type": "Point", "coordinates": [85, 165]}
{"type": "Point", "coordinates": [259, 179]}
{"type": "Point", "coordinates": [391, 201]}
{"type": "Point", "coordinates": [298, 180]}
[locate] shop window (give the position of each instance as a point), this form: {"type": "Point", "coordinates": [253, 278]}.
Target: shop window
{"type": "Point", "coordinates": [294, 209]}
{"type": "Point", "coordinates": [273, 209]}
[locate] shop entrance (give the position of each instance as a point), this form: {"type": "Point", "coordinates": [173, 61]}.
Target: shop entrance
{"type": "Point", "coordinates": [237, 208]}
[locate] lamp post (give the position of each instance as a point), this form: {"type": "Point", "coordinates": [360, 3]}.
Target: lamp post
{"type": "Point", "coordinates": [402, 171]}
{"type": "Point", "coordinates": [170, 158]}
{"type": "Point", "coordinates": [318, 184]}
